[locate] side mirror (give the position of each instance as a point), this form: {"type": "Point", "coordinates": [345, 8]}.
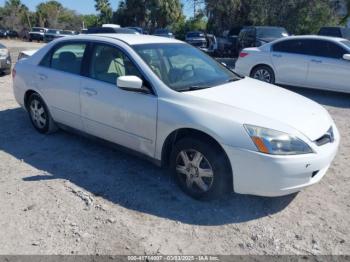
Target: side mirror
{"type": "Point", "coordinates": [131, 83]}
{"type": "Point", "coordinates": [346, 57]}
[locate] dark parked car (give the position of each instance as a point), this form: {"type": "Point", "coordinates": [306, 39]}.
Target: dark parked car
{"type": "Point", "coordinates": [5, 60]}
{"type": "Point", "coordinates": [51, 34]}
{"type": "Point", "coordinates": [37, 34]}
{"type": "Point", "coordinates": [342, 32]}
{"type": "Point", "coordinates": [197, 39]}
{"type": "Point", "coordinates": [164, 33]}
{"type": "Point", "coordinates": [138, 29]}
{"type": "Point", "coordinates": [228, 43]}
{"type": "Point", "coordinates": [111, 30]}
{"type": "Point", "coordinates": [3, 33]}
{"type": "Point", "coordinates": [255, 36]}
{"type": "Point", "coordinates": [12, 34]}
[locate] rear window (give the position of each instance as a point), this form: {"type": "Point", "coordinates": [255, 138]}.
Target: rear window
{"type": "Point", "coordinates": [53, 31]}
{"type": "Point", "coordinates": [346, 33]}
{"type": "Point", "coordinates": [347, 43]}
{"type": "Point", "coordinates": [41, 30]}
{"type": "Point", "coordinates": [161, 31]}
{"type": "Point", "coordinates": [195, 34]}
{"type": "Point", "coordinates": [102, 30]}
{"type": "Point", "coordinates": [328, 31]}
{"type": "Point", "coordinates": [273, 32]}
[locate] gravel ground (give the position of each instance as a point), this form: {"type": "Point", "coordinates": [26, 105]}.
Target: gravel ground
{"type": "Point", "coordinates": [65, 194]}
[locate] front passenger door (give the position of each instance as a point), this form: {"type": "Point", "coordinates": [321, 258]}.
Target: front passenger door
{"type": "Point", "coordinates": [327, 69]}
{"type": "Point", "coordinates": [123, 117]}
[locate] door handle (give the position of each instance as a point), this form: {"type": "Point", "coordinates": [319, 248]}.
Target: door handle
{"type": "Point", "coordinates": [90, 91]}
{"type": "Point", "coordinates": [275, 55]}
{"type": "Point", "coordinates": [42, 77]}
{"type": "Point", "coordinates": [316, 61]}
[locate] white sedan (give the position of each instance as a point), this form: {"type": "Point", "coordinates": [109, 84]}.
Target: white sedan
{"type": "Point", "coordinates": [318, 62]}
{"type": "Point", "coordinates": [170, 102]}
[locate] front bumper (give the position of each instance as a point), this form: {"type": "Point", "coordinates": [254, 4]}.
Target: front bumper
{"type": "Point", "coordinates": [260, 174]}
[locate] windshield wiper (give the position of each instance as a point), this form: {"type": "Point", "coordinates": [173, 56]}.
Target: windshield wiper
{"type": "Point", "coordinates": [233, 79]}
{"type": "Point", "coordinates": [192, 88]}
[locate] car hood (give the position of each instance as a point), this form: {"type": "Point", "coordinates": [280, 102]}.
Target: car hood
{"type": "Point", "coordinates": [272, 102]}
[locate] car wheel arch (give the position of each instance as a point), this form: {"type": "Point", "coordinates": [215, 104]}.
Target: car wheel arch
{"type": "Point", "coordinates": [260, 65]}
{"type": "Point", "coordinates": [27, 95]}
{"type": "Point", "coordinates": [178, 134]}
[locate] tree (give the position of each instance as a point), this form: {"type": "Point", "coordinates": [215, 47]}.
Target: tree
{"type": "Point", "coordinates": [106, 12]}
{"type": "Point", "coordinates": [148, 13]}
{"type": "Point", "coordinates": [48, 14]}
{"type": "Point", "coordinates": [15, 15]}
{"type": "Point", "coordinates": [90, 20]}
{"type": "Point", "coordinates": [298, 16]}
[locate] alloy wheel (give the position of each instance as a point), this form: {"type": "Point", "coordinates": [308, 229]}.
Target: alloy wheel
{"type": "Point", "coordinates": [194, 171]}
{"type": "Point", "coordinates": [263, 75]}
{"type": "Point", "coordinates": [38, 114]}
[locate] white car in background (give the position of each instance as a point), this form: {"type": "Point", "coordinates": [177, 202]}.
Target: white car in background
{"type": "Point", "coordinates": [170, 102]}
{"type": "Point", "coordinates": [318, 62]}
{"type": "Point", "coordinates": [25, 54]}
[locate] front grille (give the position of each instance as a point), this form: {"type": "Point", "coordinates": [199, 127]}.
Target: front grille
{"type": "Point", "coordinates": [326, 138]}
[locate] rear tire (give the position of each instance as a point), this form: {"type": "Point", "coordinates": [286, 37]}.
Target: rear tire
{"type": "Point", "coordinates": [40, 115]}
{"type": "Point", "coordinates": [263, 73]}
{"type": "Point", "coordinates": [200, 169]}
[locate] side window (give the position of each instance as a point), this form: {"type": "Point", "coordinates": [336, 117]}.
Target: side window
{"type": "Point", "coordinates": [108, 63]}
{"type": "Point", "coordinates": [67, 58]}
{"type": "Point", "coordinates": [291, 46]}
{"type": "Point", "coordinates": [326, 49]}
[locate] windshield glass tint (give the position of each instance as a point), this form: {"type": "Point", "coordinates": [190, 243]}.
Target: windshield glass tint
{"type": "Point", "coordinates": [271, 32]}
{"type": "Point", "coordinates": [347, 43]}
{"type": "Point", "coordinates": [53, 31]}
{"type": "Point", "coordinates": [38, 30]}
{"type": "Point", "coordinates": [195, 34]}
{"type": "Point", "coordinates": [181, 66]}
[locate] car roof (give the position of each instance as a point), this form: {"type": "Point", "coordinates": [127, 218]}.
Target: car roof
{"type": "Point", "coordinates": [130, 39]}
{"type": "Point", "coordinates": [320, 37]}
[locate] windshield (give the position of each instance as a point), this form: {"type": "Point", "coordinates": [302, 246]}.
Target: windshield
{"type": "Point", "coordinates": [2, 46]}
{"type": "Point", "coordinates": [183, 67]}
{"type": "Point", "coordinates": [195, 34]}
{"type": "Point", "coordinates": [125, 31]}
{"type": "Point", "coordinates": [64, 32]}
{"type": "Point", "coordinates": [51, 31]}
{"type": "Point", "coordinates": [276, 32]}
{"type": "Point", "coordinates": [329, 31]}
{"type": "Point", "coordinates": [161, 31]}
{"type": "Point", "coordinates": [347, 43]}
{"type": "Point", "coordinates": [38, 30]}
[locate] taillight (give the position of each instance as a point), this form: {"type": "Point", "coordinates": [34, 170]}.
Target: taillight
{"type": "Point", "coordinates": [13, 73]}
{"type": "Point", "coordinates": [243, 54]}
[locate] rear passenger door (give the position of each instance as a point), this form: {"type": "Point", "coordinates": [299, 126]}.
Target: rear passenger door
{"type": "Point", "coordinates": [328, 70]}
{"type": "Point", "coordinates": [290, 62]}
{"type": "Point", "coordinates": [59, 79]}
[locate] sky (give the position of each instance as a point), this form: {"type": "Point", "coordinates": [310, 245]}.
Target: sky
{"type": "Point", "coordinates": [86, 6]}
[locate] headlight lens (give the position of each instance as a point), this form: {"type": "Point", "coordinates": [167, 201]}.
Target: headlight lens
{"type": "Point", "coordinates": [273, 142]}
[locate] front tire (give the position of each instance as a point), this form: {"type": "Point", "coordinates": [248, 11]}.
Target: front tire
{"type": "Point", "coordinates": [200, 169]}
{"type": "Point", "coordinates": [40, 115]}
{"type": "Point", "coordinates": [263, 73]}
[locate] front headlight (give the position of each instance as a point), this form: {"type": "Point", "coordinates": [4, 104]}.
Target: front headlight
{"type": "Point", "coordinates": [274, 142]}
